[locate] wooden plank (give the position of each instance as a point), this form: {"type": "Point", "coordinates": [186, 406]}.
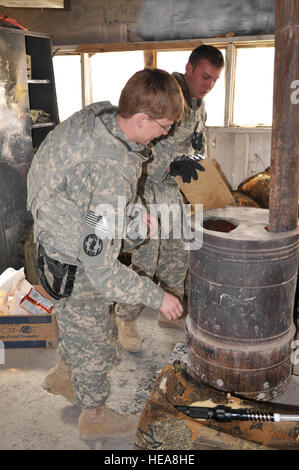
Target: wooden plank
{"type": "Point", "coordinates": [185, 44]}
{"type": "Point", "coordinates": [230, 72]}
{"type": "Point", "coordinates": [150, 59]}
{"type": "Point", "coordinates": [86, 87]}
{"type": "Point", "coordinates": [33, 3]}
{"type": "Point", "coordinates": [138, 46]}
{"type": "Point", "coordinates": [210, 189]}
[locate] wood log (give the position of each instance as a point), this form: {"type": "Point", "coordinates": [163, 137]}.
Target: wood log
{"type": "Point", "coordinates": [283, 205]}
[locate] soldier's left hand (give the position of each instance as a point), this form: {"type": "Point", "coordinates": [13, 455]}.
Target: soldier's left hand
{"type": "Point", "coordinates": [186, 167]}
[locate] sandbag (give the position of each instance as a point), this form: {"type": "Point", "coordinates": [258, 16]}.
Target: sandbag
{"type": "Point", "coordinates": [258, 188]}
{"type": "Point", "coordinates": [242, 200]}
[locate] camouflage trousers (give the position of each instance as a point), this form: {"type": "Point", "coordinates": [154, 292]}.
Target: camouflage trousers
{"type": "Point", "coordinates": [86, 341]}
{"type": "Point", "coordinates": [166, 262]}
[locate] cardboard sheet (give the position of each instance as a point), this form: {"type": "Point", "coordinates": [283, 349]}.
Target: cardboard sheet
{"type": "Point", "coordinates": [210, 189]}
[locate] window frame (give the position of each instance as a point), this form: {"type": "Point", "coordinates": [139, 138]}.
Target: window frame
{"type": "Point", "coordinates": [150, 50]}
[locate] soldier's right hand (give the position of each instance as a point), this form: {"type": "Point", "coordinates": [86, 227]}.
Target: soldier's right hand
{"type": "Point", "coordinates": [171, 307]}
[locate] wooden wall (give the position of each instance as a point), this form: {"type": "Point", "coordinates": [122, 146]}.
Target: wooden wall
{"type": "Point", "coordinates": [83, 21]}
{"type": "Point", "coordinates": [240, 153]}
{"type": "Point", "coordinates": [91, 21]}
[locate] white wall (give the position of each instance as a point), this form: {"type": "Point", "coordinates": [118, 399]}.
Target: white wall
{"type": "Point", "coordinates": [241, 152]}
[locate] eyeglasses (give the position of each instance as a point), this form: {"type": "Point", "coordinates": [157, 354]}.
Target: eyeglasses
{"type": "Point", "coordinates": [165, 129]}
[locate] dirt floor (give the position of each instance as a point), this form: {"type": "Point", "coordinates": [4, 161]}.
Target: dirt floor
{"type": "Point", "coordinates": [33, 419]}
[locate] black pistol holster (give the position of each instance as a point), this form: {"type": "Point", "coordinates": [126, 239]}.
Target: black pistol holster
{"type": "Point", "coordinates": [59, 271]}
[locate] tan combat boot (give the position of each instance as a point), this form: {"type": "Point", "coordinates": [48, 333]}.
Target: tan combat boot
{"type": "Point", "coordinates": [128, 335]}
{"type": "Point", "coordinates": [58, 381]}
{"type": "Point", "coordinates": [97, 423]}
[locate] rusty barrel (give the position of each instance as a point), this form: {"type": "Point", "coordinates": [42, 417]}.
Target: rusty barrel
{"type": "Point", "coordinates": [242, 287]}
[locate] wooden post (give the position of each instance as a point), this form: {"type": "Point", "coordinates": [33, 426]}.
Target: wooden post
{"type": "Point", "coordinates": [230, 72]}
{"type": "Point", "coordinates": [283, 206]}
{"type": "Point", "coordinates": [86, 87]}
{"type": "Point", "coordinates": [150, 59]}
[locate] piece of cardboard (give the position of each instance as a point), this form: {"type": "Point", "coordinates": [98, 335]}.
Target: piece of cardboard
{"type": "Point", "coordinates": [210, 189]}
{"type": "Point", "coordinates": [29, 331]}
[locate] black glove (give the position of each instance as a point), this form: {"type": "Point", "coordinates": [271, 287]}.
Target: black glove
{"type": "Point", "coordinates": [186, 166]}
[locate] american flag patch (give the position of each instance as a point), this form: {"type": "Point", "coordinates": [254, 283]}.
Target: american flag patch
{"type": "Point", "coordinates": [98, 222]}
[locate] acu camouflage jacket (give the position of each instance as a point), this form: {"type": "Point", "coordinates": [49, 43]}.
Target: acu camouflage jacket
{"type": "Point", "coordinates": [87, 161]}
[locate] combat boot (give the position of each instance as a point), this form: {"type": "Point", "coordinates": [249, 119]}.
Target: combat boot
{"type": "Point", "coordinates": [128, 335]}
{"type": "Point", "coordinates": [58, 381]}
{"type": "Point", "coordinates": [97, 423]}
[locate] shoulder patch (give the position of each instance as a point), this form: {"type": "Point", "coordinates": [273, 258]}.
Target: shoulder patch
{"type": "Point", "coordinates": [92, 245]}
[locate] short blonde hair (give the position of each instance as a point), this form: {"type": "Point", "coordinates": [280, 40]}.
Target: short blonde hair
{"type": "Point", "coordinates": [154, 92]}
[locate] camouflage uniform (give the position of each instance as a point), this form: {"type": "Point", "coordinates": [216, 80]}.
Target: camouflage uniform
{"type": "Point", "coordinates": [84, 162]}
{"type": "Point", "coordinates": [167, 260]}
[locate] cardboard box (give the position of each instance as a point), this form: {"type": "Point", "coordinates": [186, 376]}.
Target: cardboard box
{"type": "Point", "coordinates": [29, 331]}
{"type": "Point", "coordinates": [210, 189]}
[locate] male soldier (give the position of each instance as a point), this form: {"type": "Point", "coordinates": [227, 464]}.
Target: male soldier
{"type": "Point", "coordinates": [74, 184]}
{"type": "Point", "coordinates": [166, 259]}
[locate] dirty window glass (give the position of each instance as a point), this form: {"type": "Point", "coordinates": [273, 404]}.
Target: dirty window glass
{"type": "Point", "coordinates": [253, 103]}
{"type": "Point", "coordinates": [67, 72]}
{"type": "Point", "coordinates": [110, 71]}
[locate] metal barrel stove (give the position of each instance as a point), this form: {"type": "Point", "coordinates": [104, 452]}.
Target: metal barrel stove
{"type": "Point", "coordinates": [240, 326]}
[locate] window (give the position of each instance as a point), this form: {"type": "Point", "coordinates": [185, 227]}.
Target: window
{"type": "Point", "coordinates": [110, 71]}
{"type": "Point", "coordinates": [67, 72]}
{"type": "Point", "coordinates": [253, 103]}
{"type": "Point", "coordinates": [215, 100]}
{"type": "Point", "coordinates": [175, 61]}
{"type": "Point", "coordinates": [242, 97]}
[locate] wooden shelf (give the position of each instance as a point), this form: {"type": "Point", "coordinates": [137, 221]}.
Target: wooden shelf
{"type": "Point", "coordinates": [43, 124]}
{"type": "Point", "coordinates": [39, 82]}
{"type": "Point", "coordinates": [41, 86]}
